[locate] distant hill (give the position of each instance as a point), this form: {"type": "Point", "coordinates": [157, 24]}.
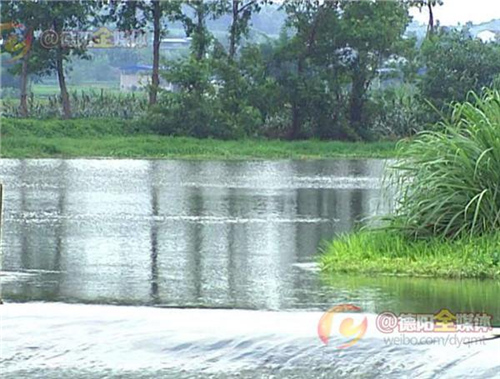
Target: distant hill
{"type": "Point", "coordinates": [493, 25]}
{"type": "Point", "coordinates": [420, 30]}
{"type": "Point", "coordinates": [268, 22]}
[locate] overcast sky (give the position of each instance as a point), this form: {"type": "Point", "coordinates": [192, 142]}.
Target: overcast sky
{"type": "Point", "coordinates": [453, 12]}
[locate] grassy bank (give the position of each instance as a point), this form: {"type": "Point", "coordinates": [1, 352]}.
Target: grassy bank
{"type": "Point", "coordinates": [446, 218]}
{"type": "Point", "coordinates": [374, 252]}
{"type": "Point", "coordinates": [129, 139]}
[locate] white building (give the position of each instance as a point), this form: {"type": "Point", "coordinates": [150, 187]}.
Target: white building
{"type": "Point", "coordinates": [487, 36]}
{"type": "Point", "coordinates": [135, 77]}
{"type": "Point", "coordinates": [138, 77]}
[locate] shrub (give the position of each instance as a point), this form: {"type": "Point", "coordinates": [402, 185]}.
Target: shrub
{"type": "Point", "coordinates": [457, 63]}
{"type": "Point", "coordinates": [398, 113]}
{"type": "Point", "coordinates": [449, 180]}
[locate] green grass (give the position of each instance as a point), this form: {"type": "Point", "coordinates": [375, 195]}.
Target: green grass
{"type": "Point", "coordinates": [126, 139]}
{"type": "Point", "coordinates": [449, 178]}
{"type": "Point", "coordinates": [446, 220]}
{"type": "Point", "coordinates": [53, 89]}
{"type": "Point", "coordinates": [379, 252]}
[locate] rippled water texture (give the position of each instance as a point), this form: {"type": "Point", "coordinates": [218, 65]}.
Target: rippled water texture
{"type": "Point", "coordinates": [241, 237]}
{"type": "Point", "coordinates": [81, 341]}
{"type": "Point", "coordinates": [179, 233]}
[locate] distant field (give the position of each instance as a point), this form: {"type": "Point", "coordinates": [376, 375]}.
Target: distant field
{"type": "Point", "coordinates": [43, 90]}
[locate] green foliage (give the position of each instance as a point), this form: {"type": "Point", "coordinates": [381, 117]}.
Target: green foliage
{"type": "Point", "coordinates": [390, 253]}
{"type": "Point", "coordinates": [455, 64]}
{"type": "Point", "coordinates": [83, 128]}
{"type": "Point", "coordinates": [85, 104]}
{"type": "Point", "coordinates": [328, 63]}
{"type": "Point", "coordinates": [397, 113]}
{"type": "Point", "coordinates": [215, 97]}
{"type": "Point", "coordinates": [129, 139]}
{"type": "Point", "coordinates": [193, 109]}
{"type": "Point", "coordinates": [315, 81]}
{"type": "Point", "coordinates": [448, 179]}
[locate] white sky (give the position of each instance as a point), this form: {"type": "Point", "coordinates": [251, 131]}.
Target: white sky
{"type": "Point", "coordinates": [453, 12]}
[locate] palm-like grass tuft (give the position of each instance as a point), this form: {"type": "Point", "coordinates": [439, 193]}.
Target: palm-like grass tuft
{"type": "Point", "coordinates": [449, 179]}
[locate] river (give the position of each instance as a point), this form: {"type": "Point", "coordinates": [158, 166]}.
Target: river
{"type": "Point", "coordinates": [157, 268]}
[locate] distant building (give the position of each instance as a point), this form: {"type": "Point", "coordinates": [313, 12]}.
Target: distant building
{"type": "Point", "coordinates": [488, 36]}
{"type": "Point", "coordinates": [135, 77]}
{"type": "Point", "coordinates": [387, 77]}
{"type": "Point", "coordinates": [138, 77]}
{"type": "Point", "coordinates": [175, 43]}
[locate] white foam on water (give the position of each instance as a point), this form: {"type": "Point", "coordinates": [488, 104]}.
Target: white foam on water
{"type": "Point", "coordinates": [37, 337]}
{"type": "Point", "coordinates": [13, 276]}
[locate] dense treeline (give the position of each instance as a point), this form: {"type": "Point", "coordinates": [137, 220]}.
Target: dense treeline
{"type": "Point", "coordinates": [339, 70]}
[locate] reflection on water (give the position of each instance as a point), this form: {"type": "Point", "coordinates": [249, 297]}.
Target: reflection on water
{"type": "Point", "coordinates": [204, 234]}
{"type": "Point", "coordinates": [418, 295]}
{"type": "Point", "coordinates": [178, 233]}
{"type": "Point", "coordinates": [200, 234]}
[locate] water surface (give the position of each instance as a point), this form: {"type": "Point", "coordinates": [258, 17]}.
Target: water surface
{"type": "Point", "coordinates": [238, 239]}
{"type": "Point", "coordinates": [177, 233]}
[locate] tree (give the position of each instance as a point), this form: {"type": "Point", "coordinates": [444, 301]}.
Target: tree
{"type": "Point", "coordinates": [374, 30]}
{"type": "Point", "coordinates": [241, 12]}
{"type": "Point", "coordinates": [57, 19]}
{"type": "Point", "coordinates": [27, 13]}
{"type": "Point", "coordinates": [195, 24]}
{"type": "Point", "coordinates": [430, 5]}
{"type": "Point", "coordinates": [54, 20]}
{"type": "Point", "coordinates": [456, 64]}
{"type": "Point", "coordinates": [134, 14]}
{"type": "Point", "coordinates": [306, 18]}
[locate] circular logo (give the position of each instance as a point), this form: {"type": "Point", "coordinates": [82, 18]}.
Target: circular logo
{"type": "Point", "coordinates": [347, 328]}
{"type": "Point", "coordinates": [49, 39]}
{"type": "Point", "coordinates": [18, 39]}
{"type": "Point", "coordinates": [386, 322]}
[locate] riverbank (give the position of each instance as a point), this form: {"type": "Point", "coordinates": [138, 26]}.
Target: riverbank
{"type": "Point", "coordinates": [373, 252]}
{"type": "Point", "coordinates": [127, 139]}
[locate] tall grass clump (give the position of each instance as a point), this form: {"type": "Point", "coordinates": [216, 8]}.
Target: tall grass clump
{"type": "Point", "coordinates": [448, 179]}
{"type": "Point", "coordinates": [86, 104]}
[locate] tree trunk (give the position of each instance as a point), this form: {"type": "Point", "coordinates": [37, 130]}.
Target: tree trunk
{"type": "Point", "coordinates": [200, 54]}
{"type": "Point", "coordinates": [296, 111]}
{"type": "Point", "coordinates": [155, 78]}
{"type": "Point", "coordinates": [308, 49]}
{"type": "Point", "coordinates": [430, 28]}
{"type": "Point", "coordinates": [294, 133]}
{"type": "Point", "coordinates": [60, 76]}
{"type": "Point", "coordinates": [357, 101]}
{"type": "Point", "coordinates": [234, 30]}
{"type": "Point", "coordinates": [23, 103]}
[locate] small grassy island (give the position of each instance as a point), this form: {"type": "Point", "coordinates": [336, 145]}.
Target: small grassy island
{"type": "Point", "coordinates": [446, 221]}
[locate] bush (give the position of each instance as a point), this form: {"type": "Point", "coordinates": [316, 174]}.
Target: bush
{"type": "Point", "coordinates": [397, 113]}
{"type": "Point", "coordinates": [448, 179]}
{"type": "Point", "coordinates": [207, 102]}
{"type": "Point", "coordinates": [457, 63]}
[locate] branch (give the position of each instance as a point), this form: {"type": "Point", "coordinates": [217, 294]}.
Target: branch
{"type": "Point", "coordinates": [247, 5]}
